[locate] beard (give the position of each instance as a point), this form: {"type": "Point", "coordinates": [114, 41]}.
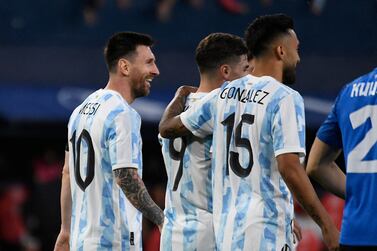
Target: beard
{"type": "Point", "coordinates": [140, 91]}
{"type": "Point", "coordinates": [289, 75]}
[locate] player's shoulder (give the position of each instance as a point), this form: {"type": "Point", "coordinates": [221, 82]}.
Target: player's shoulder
{"type": "Point", "coordinates": [194, 97]}
{"type": "Point", "coordinates": [239, 81]}
{"type": "Point", "coordinates": [111, 104]}
{"type": "Point", "coordinates": [82, 104]}
{"type": "Point", "coordinates": [362, 86]}
{"type": "Point", "coordinates": [275, 87]}
{"type": "Point", "coordinates": [284, 89]}
{"type": "Point", "coordinates": [368, 77]}
{"type": "Point", "coordinates": [117, 104]}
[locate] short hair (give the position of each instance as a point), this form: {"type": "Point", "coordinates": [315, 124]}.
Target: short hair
{"type": "Point", "coordinates": [264, 30]}
{"type": "Point", "coordinates": [123, 45]}
{"type": "Point", "coordinates": [217, 49]}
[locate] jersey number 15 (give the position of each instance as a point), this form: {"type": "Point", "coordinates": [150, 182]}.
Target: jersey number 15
{"type": "Point", "coordinates": [233, 157]}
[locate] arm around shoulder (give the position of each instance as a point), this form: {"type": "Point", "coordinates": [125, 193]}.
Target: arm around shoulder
{"type": "Point", "coordinates": [171, 125]}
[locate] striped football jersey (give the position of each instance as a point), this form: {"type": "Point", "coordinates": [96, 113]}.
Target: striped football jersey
{"type": "Point", "coordinates": [253, 120]}
{"type": "Point", "coordinates": [188, 202]}
{"type": "Point", "coordinates": [104, 135]}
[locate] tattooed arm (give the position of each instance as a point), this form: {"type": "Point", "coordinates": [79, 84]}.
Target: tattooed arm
{"type": "Point", "coordinates": [134, 189]}
{"type": "Point", "coordinates": [298, 183]}
{"type": "Point", "coordinates": [171, 125]}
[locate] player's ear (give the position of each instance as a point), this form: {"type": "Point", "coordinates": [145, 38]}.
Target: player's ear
{"type": "Point", "coordinates": [225, 71]}
{"type": "Point", "coordinates": [279, 51]}
{"type": "Point", "coordinates": [124, 66]}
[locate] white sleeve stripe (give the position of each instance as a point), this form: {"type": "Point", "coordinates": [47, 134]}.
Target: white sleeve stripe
{"type": "Point", "coordinates": [301, 151]}
{"type": "Point", "coordinates": [124, 165]}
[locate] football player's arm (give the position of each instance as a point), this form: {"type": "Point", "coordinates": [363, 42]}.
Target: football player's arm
{"type": "Point", "coordinates": [171, 125]}
{"type": "Point", "coordinates": [322, 168]}
{"type": "Point", "coordinates": [62, 242]}
{"type": "Point", "coordinates": [299, 184]}
{"type": "Point", "coordinates": [133, 187]}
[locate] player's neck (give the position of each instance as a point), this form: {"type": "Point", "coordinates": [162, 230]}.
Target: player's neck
{"type": "Point", "coordinates": [209, 82]}
{"type": "Point", "coordinates": [118, 85]}
{"type": "Point", "coordinates": [268, 67]}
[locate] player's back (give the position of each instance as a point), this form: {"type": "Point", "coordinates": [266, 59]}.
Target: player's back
{"type": "Point", "coordinates": [188, 202]}
{"type": "Point", "coordinates": [102, 217]}
{"type": "Point", "coordinates": [355, 111]}
{"type": "Point", "coordinates": [256, 120]}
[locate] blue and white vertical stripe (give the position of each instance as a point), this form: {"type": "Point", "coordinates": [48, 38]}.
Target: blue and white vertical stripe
{"type": "Point", "coordinates": [188, 210]}
{"type": "Point", "coordinates": [252, 212]}
{"type": "Point", "coordinates": [102, 217]}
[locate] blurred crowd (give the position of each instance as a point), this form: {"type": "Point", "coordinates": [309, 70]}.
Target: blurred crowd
{"type": "Point", "coordinates": [165, 8]}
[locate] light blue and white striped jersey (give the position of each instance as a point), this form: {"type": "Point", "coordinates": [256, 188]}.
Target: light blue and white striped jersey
{"type": "Point", "coordinates": [104, 135]}
{"type": "Point", "coordinates": [188, 203]}
{"type": "Point", "coordinates": [253, 120]}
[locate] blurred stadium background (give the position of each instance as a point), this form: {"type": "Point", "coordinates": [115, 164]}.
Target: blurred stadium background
{"type": "Point", "coordinates": [51, 58]}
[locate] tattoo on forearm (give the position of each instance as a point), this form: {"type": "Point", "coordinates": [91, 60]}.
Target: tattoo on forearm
{"type": "Point", "coordinates": [135, 191]}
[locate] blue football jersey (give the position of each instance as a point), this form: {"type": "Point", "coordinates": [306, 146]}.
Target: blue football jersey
{"type": "Point", "coordinates": [253, 120]}
{"type": "Point", "coordinates": [352, 126]}
{"type": "Point", "coordinates": [104, 134]}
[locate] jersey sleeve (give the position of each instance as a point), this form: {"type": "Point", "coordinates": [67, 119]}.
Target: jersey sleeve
{"type": "Point", "coordinates": [329, 132]}
{"type": "Point", "coordinates": [288, 125]}
{"type": "Point", "coordinates": [199, 119]}
{"type": "Point", "coordinates": [124, 141]}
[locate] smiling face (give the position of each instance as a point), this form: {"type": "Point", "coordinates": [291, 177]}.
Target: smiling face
{"type": "Point", "coordinates": [142, 70]}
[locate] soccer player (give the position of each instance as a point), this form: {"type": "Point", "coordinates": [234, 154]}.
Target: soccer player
{"type": "Point", "coordinates": [258, 128]}
{"type": "Point", "coordinates": [188, 205]}
{"type": "Point", "coordinates": [350, 127]}
{"type": "Point", "coordinates": [108, 197]}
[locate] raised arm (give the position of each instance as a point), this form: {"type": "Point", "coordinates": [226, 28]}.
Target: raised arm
{"type": "Point", "coordinates": [323, 169]}
{"type": "Point", "coordinates": [133, 187]}
{"type": "Point", "coordinates": [171, 125]}
{"type": "Point", "coordinates": [62, 242]}
{"type": "Point", "coordinates": [299, 184]}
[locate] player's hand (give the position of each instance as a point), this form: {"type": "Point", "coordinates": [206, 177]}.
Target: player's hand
{"type": "Point", "coordinates": [331, 237]}
{"type": "Point", "coordinates": [185, 90]}
{"type": "Point", "coordinates": [62, 242]}
{"type": "Point", "coordinates": [296, 232]}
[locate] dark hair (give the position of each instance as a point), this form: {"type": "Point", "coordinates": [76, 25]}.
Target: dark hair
{"type": "Point", "coordinates": [123, 44]}
{"type": "Point", "coordinates": [264, 30]}
{"type": "Point", "coordinates": [217, 49]}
